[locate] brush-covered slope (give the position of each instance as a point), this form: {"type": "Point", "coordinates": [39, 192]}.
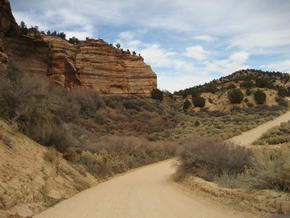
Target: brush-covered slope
{"type": "Point", "coordinates": [274, 85]}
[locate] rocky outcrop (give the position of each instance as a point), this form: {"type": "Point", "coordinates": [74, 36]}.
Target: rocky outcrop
{"type": "Point", "coordinates": [95, 64]}
{"type": "Point", "coordinates": [91, 64]}
{"type": "Point", "coordinates": [8, 26]}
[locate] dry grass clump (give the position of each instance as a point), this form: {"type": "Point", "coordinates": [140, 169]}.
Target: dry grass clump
{"type": "Point", "coordinates": [270, 170]}
{"type": "Point", "coordinates": [233, 166]}
{"type": "Point", "coordinates": [114, 154]}
{"type": "Point", "coordinates": [276, 135]}
{"type": "Point", "coordinates": [210, 158]}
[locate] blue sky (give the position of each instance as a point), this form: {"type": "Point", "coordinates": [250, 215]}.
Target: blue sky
{"type": "Point", "coordinates": [187, 42]}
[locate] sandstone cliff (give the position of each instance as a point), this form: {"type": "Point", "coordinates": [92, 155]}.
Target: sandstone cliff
{"type": "Point", "coordinates": [8, 26]}
{"type": "Point", "coordinates": [97, 65]}
{"type": "Point", "coordinates": [91, 64]}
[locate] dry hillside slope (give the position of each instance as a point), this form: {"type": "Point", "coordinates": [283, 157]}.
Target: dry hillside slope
{"type": "Point", "coordinates": [33, 177]}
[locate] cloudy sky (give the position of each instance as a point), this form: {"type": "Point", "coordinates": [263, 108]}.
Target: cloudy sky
{"type": "Point", "coordinates": [187, 42]}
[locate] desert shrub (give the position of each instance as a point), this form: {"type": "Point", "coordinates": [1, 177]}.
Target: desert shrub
{"type": "Point", "coordinates": [157, 94]}
{"type": "Point", "coordinates": [247, 84]}
{"type": "Point", "coordinates": [260, 97]}
{"type": "Point", "coordinates": [232, 86]}
{"type": "Point", "coordinates": [208, 158]}
{"type": "Point", "coordinates": [250, 105]}
{"type": "Point", "coordinates": [248, 92]}
{"type": "Point", "coordinates": [186, 105]}
{"type": "Point", "coordinates": [195, 93]}
{"type": "Point", "coordinates": [198, 101]}
{"type": "Point", "coordinates": [235, 96]}
{"type": "Point", "coordinates": [89, 102]}
{"type": "Point", "coordinates": [59, 137]}
{"type": "Point", "coordinates": [69, 108]}
{"type": "Point", "coordinates": [282, 91]}
{"type": "Point", "coordinates": [270, 170]}
{"type": "Point", "coordinates": [282, 101]}
{"type": "Point", "coordinates": [196, 123]}
{"type": "Point", "coordinates": [113, 154]}
{"type": "Point", "coordinates": [264, 83]}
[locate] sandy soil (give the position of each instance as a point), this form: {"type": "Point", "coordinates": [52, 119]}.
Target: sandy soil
{"type": "Point", "coordinates": [149, 193]}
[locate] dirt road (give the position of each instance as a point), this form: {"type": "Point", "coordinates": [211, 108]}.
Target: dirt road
{"type": "Point", "coordinates": [143, 193]}
{"type": "Point", "coordinates": [247, 138]}
{"type": "Point", "coordinates": [148, 192]}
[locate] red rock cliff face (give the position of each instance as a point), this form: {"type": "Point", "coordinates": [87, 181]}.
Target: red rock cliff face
{"type": "Point", "coordinates": [8, 27]}
{"type": "Point", "coordinates": [92, 64]}
{"type": "Point", "coordinates": [95, 64]}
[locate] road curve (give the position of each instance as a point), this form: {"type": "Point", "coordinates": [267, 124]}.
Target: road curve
{"type": "Point", "coordinates": [248, 137]}
{"type": "Point", "coordinates": [148, 192]}
{"type": "Point", "coordinates": [144, 193]}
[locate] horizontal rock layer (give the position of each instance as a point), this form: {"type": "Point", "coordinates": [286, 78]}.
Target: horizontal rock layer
{"type": "Point", "coordinates": [91, 64]}
{"type": "Point", "coordinates": [95, 64]}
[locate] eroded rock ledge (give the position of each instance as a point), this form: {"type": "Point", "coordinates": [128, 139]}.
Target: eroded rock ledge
{"type": "Point", "coordinates": [95, 64]}
{"type": "Point", "coordinates": [91, 64]}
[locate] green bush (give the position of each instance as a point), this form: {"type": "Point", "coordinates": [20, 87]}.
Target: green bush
{"type": "Point", "coordinates": [186, 105]}
{"type": "Point", "coordinates": [236, 96]}
{"type": "Point", "coordinates": [264, 83]}
{"type": "Point", "coordinates": [247, 84]}
{"type": "Point", "coordinates": [157, 94]}
{"type": "Point", "coordinates": [232, 86]}
{"type": "Point", "coordinates": [196, 123]}
{"type": "Point", "coordinates": [198, 101]}
{"type": "Point", "coordinates": [260, 97]}
{"type": "Point", "coordinates": [282, 91]}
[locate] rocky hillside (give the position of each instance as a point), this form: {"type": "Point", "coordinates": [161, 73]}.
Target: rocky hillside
{"type": "Point", "coordinates": [90, 64]}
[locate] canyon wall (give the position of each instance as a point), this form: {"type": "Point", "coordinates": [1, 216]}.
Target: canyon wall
{"type": "Point", "coordinates": [90, 64]}
{"type": "Point", "coordinates": [95, 64]}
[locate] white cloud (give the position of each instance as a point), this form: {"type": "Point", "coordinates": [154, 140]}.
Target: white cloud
{"type": "Point", "coordinates": [240, 57]}
{"type": "Point", "coordinates": [186, 80]}
{"type": "Point", "coordinates": [265, 39]}
{"type": "Point", "coordinates": [154, 54]}
{"type": "Point", "coordinates": [134, 43]}
{"type": "Point", "coordinates": [157, 56]}
{"type": "Point", "coordinates": [127, 35]}
{"type": "Point", "coordinates": [196, 52]}
{"type": "Point", "coordinates": [234, 62]}
{"type": "Point", "coordinates": [224, 66]}
{"type": "Point", "coordinates": [79, 35]}
{"type": "Point", "coordinates": [283, 66]}
{"type": "Point", "coordinates": [20, 16]}
{"type": "Point", "coordinates": [206, 38]}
